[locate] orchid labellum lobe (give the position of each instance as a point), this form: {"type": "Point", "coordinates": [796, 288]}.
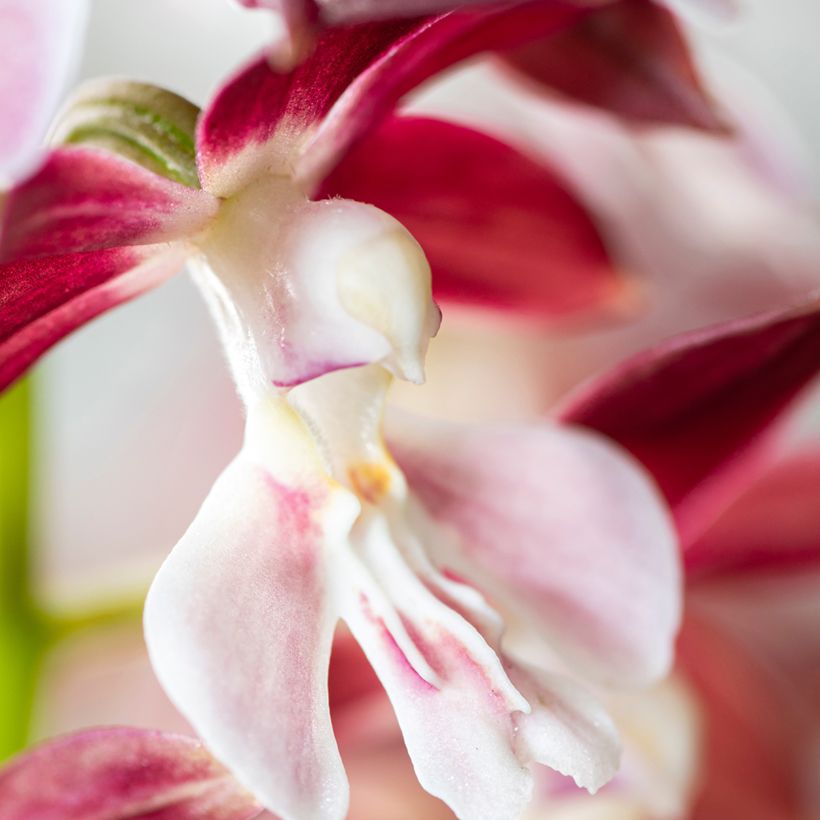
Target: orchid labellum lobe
{"type": "Point", "coordinates": [321, 304]}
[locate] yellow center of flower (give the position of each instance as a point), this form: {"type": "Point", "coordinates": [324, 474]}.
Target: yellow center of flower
{"type": "Point", "coordinates": [370, 480]}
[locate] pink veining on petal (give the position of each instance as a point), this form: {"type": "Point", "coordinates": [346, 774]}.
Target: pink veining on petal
{"type": "Point", "coordinates": [400, 659]}
{"type": "Point", "coordinates": [458, 733]}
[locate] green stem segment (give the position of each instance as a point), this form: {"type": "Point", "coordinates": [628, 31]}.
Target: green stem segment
{"type": "Point", "coordinates": [27, 630]}
{"type": "Point", "coordinates": [21, 634]}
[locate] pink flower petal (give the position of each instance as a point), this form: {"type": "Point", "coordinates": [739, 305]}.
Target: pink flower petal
{"type": "Point", "coordinates": [630, 58]}
{"type": "Point", "coordinates": [43, 299]}
{"type": "Point", "coordinates": [119, 772]}
{"type": "Point", "coordinates": [82, 199]}
{"type": "Point", "coordinates": [239, 628]}
{"type": "Point", "coordinates": [499, 229]}
{"type": "Point", "coordinates": [563, 529]}
{"type": "Point", "coordinates": [305, 120]}
{"type": "Point", "coordinates": [695, 409]}
{"type": "Point", "coordinates": [38, 41]}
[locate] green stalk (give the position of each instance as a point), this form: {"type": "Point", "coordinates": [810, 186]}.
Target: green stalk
{"type": "Point", "coordinates": [21, 635]}
{"type": "Point", "coordinates": [28, 630]}
{"type": "Point", "coordinates": [61, 625]}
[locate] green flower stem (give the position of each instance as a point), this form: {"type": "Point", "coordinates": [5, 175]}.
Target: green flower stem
{"type": "Point", "coordinates": [59, 626]}
{"type": "Point", "coordinates": [27, 629]}
{"type": "Point", "coordinates": [21, 633]}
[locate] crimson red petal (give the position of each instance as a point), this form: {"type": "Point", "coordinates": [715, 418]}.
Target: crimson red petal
{"type": "Point", "coordinates": [775, 524]}
{"type": "Point", "coordinates": [355, 75]}
{"type": "Point", "coordinates": [498, 228]}
{"type": "Point", "coordinates": [695, 409]}
{"type": "Point", "coordinates": [121, 772]}
{"type": "Point", "coordinates": [43, 299]}
{"type": "Point", "coordinates": [630, 58]}
{"type": "Point", "coordinates": [82, 199]}
{"type": "Point", "coordinates": [257, 103]}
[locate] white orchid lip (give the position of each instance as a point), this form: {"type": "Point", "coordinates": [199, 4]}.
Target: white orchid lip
{"type": "Point", "coordinates": [304, 288]}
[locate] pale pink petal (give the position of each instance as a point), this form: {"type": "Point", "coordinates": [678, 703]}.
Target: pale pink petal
{"type": "Point", "coordinates": [239, 624]}
{"type": "Point", "coordinates": [38, 44]}
{"type": "Point", "coordinates": [560, 526]}
{"type": "Point", "coordinates": [102, 774]}
{"type": "Point", "coordinates": [469, 732]}
{"type": "Point", "coordinates": [82, 199]}
{"type": "Point", "coordinates": [499, 229]}
{"type": "Point", "coordinates": [304, 121]}
{"type": "Point", "coordinates": [43, 299]}
{"type": "Point", "coordinates": [696, 409]}
{"type": "Point", "coordinates": [381, 774]}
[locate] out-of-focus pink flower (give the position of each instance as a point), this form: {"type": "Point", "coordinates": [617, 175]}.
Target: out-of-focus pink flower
{"type": "Point", "coordinates": [121, 772]}
{"type": "Point", "coordinates": [320, 303]}
{"type": "Point", "coordinates": [38, 44]}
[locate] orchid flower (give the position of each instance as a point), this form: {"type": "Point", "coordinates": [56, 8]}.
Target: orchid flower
{"type": "Point", "coordinates": [321, 303]}
{"type": "Point", "coordinates": [38, 42]}
{"type": "Point", "coordinates": [731, 731]}
{"type": "Point", "coordinates": [299, 21]}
